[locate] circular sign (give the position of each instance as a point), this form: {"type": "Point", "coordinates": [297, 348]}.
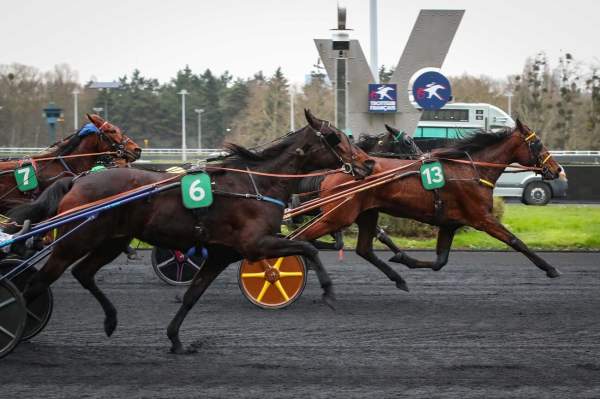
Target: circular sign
{"type": "Point", "coordinates": [431, 90]}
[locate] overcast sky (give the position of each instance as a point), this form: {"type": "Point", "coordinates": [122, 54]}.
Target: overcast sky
{"type": "Point", "coordinates": [109, 38]}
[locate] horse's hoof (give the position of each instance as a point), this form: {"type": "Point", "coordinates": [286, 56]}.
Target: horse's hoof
{"type": "Point", "coordinates": [401, 285]}
{"type": "Point", "coordinates": [397, 258]}
{"type": "Point", "coordinates": [329, 299]}
{"type": "Point", "coordinates": [110, 325]}
{"type": "Point", "coordinates": [553, 273]}
{"type": "Point", "coordinates": [178, 350]}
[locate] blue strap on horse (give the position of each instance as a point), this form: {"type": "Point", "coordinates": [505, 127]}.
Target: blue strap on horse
{"type": "Point", "coordinates": [87, 129]}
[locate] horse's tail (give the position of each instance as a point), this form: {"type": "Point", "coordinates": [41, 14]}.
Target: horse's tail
{"type": "Point", "coordinates": [45, 206]}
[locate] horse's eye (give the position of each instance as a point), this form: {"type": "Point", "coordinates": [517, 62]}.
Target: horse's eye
{"type": "Point", "coordinates": [380, 142]}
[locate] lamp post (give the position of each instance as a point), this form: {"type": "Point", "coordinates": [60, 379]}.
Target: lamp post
{"type": "Point", "coordinates": [75, 108]}
{"type": "Point", "coordinates": [509, 95]}
{"type": "Point", "coordinates": [106, 86]}
{"type": "Point", "coordinates": [183, 93]}
{"type": "Point", "coordinates": [199, 111]}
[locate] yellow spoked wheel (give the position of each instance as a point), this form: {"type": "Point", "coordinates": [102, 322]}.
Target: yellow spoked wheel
{"type": "Point", "coordinates": [273, 283]}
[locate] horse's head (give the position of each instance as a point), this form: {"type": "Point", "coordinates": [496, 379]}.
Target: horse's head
{"type": "Point", "coordinates": [112, 139]}
{"type": "Point", "coordinates": [328, 147]}
{"type": "Point", "coordinates": [531, 152]}
{"type": "Point", "coordinates": [397, 142]}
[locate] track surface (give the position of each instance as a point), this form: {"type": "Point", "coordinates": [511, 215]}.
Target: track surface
{"type": "Point", "coordinates": [488, 325]}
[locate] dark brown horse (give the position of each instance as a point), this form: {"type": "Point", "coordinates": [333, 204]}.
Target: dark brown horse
{"type": "Point", "coordinates": [466, 199]}
{"type": "Point", "coordinates": [234, 227]}
{"type": "Point", "coordinates": [108, 138]}
{"type": "Point", "coordinates": [392, 142]}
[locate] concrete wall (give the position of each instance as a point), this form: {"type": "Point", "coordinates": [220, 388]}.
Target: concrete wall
{"type": "Point", "coordinates": [427, 46]}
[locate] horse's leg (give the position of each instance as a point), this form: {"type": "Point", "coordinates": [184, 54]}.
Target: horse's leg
{"type": "Point", "coordinates": [367, 228]}
{"type": "Point", "coordinates": [86, 269]}
{"type": "Point", "coordinates": [497, 230]}
{"type": "Point", "coordinates": [201, 281]}
{"type": "Point", "coordinates": [61, 258]}
{"type": "Point", "coordinates": [444, 243]}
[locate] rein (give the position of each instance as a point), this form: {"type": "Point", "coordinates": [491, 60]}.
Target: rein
{"type": "Point", "coordinates": [284, 176]}
{"type": "Point", "coordinates": [89, 154]}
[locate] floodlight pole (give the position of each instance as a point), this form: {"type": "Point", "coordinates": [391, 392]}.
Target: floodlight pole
{"type": "Point", "coordinates": [341, 47]}
{"type": "Point", "coordinates": [292, 126]}
{"type": "Point", "coordinates": [183, 93]}
{"type": "Point", "coordinates": [106, 104]}
{"type": "Point", "coordinates": [374, 40]}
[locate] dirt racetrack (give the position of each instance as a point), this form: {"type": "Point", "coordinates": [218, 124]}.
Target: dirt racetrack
{"type": "Point", "coordinates": [488, 325]}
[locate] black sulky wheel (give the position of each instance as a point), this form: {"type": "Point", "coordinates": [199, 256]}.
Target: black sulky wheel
{"type": "Point", "coordinates": [173, 267]}
{"type": "Point", "coordinates": [13, 317]}
{"type": "Point", "coordinates": [40, 310]}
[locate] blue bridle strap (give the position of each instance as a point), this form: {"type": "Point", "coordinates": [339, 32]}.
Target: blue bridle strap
{"type": "Point", "coordinates": [271, 200]}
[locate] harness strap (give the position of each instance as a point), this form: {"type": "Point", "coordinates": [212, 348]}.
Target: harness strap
{"type": "Point", "coordinates": [438, 206]}
{"type": "Point", "coordinates": [258, 197]}
{"type": "Point", "coordinates": [64, 164]}
{"type": "Point", "coordinates": [486, 183]}
{"type": "Point", "coordinates": [530, 137]}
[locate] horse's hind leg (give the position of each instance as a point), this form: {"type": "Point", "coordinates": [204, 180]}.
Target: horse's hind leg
{"type": "Point", "coordinates": [494, 228]}
{"type": "Point", "coordinates": [60, 258]}
{"type": "Point", "coordinates": [444, 243]}
{"type": "Point", "coordinates": [86, 269]}
{"type": "Point", "coordinates": [367, 228]}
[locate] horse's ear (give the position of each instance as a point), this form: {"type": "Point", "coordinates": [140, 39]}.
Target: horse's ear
{"type": "Point", "coordinates": [312, 120]}
{"type": "Point", "coordinates": [391, 130]}
{"type": "Point", "coordinates": [519, 125]}
{"type": "Point", "coordinates": [95, 119]}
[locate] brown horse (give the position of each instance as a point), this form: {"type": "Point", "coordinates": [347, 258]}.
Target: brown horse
{"type": "Point", "coordinates": [243, 221]}
{"type": "Point", "coordinates": [466, 199]}
{"type": "Point", "coordinates": [108, 138]}
{"type": "Point", "coordinates": [392, 143]}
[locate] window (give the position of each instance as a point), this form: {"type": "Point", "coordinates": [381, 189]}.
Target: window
{"type": "Point", "coordinates": [460, 132]}
{"type": "Point", "coordinates": [446, 115]}
{"type": "Point", "coordinates": [434, 132]}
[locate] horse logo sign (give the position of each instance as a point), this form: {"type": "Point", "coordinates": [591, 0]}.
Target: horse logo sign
{"type": "Point", "coordinates": [431, 90]}
{"type": "Point", "coordinates": [382, 97]}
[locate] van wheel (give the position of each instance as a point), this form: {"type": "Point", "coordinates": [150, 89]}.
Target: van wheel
{"type": "Point", "coordinates": [537, 193]}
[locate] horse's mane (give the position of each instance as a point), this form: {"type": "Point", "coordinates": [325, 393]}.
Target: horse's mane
{"type": "Point", "coordinates": [239, 155]}
{"type": "Point", "coordinates": [477, 141]}
{"type": "Point", "coordinates": [62, 147]}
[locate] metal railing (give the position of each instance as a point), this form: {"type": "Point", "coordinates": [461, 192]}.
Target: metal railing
{"type": "Point", "coordinates": [175, 154]}
{"type": "Point", "coordinates": [148, 154]}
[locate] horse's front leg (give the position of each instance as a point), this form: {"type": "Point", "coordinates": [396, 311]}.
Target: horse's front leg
{"type": "Point", "coordinates": [367, 229]}
{"type": "Point", "coordinates": [444, 243]}
{"type": "Point", "coordinates": [274, 247]}
{"type": "Point", "coordinates": [493, 227]}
